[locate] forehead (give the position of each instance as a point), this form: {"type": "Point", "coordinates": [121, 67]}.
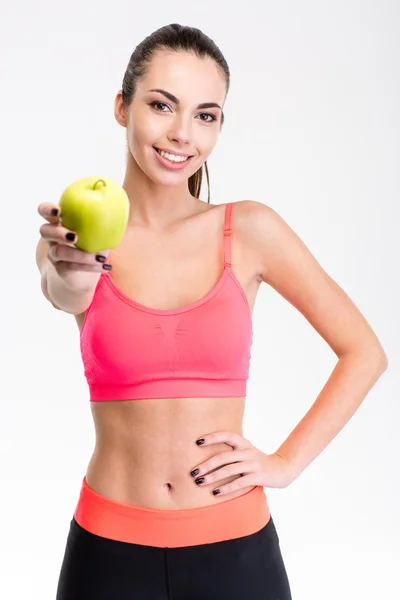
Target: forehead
{"type": "Point", "coordinates": [186, 76]}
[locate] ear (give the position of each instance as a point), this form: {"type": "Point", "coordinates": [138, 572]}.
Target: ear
{"type": "Point", "coordinates": [120, 110]}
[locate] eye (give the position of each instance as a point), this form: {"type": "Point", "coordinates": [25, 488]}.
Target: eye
{"type": "Point", "coordinates": [156, 103]}
{"type": "Point", "coordinates": [213, 118]}
{"type": "Point", "coordinates": [159, 103]}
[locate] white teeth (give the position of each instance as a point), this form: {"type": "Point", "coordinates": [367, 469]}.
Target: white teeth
{"type": "Point", "coordinates": [172, 157]}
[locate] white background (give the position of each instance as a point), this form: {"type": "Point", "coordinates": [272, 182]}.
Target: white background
{"type": "Point", "coordinates": [312, 129]}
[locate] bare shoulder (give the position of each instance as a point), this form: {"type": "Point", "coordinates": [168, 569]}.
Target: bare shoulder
{"type": "Point", "coordinates": [252, 222]}
{"type": "Point", "coordinates": [283, 259]}
{"type": "Point", "coordinates": [249, 213]}
{"type": "Point", "coordinates": [270, 237]}
{"type": "Point", "coordinates": [286, 264]}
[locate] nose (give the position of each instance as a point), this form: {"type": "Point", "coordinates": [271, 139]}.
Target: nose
{"type": "Point", "coordinates": [180, 132]}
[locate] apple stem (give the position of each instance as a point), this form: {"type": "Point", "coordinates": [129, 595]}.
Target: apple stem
{"type": "Point", "coordinates": [98, 181]}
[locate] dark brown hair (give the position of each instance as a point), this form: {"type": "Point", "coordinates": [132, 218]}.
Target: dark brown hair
{"type": "Point", "coordinates": [173, 37]}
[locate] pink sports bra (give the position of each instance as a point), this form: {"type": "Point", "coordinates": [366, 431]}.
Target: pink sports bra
{"type": "Point", "coordinates": [133, 352]}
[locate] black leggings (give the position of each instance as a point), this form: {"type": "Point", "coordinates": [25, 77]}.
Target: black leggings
{"type": "Point", "coordinates": [244, 568]}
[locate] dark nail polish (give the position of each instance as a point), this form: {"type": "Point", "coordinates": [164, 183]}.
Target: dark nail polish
{"type": "Point", "coordinates": [215, 492]}
{"type": "Point", "coordinates": [54, 212]}
{"type": "Point", "coordinates": [200, 480]}
{"type": "Point", "coordinates": [195, 472]}
{"type": "Point", "coordinates": [70, 236]}
{"type": "Point", "coordinates": [107, 267]}
{"type": "Point", "coordinates": [100, 258]}
{"type": "Point", "coordinates": [200, 442]}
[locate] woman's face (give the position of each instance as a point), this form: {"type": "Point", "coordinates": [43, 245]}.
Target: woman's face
{"type": "Point", "coordinates": [157, 120]}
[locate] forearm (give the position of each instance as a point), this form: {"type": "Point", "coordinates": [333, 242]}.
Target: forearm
{"type": "Point", "coordinates": [59, 294]}
{"type": "Point", "coordinates": [349, 383]}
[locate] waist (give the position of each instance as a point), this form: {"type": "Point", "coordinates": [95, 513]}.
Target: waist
{"type": "Point", "coordinates": [158, 487]}
{"type": "Point", "coordinates": [229, 519]}
{"type": "Point", "coordinates": [145, 451]}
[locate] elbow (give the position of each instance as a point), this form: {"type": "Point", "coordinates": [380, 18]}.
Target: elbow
{"type": "Point", "coordinates": [378, 358]}
{"type": "Point", "coordinates": [384, 361]}
{"type": "Point", "coordinates": [373, 354]}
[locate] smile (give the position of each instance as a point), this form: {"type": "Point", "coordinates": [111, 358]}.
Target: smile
{"type": "Point", "coordinates": [172, 157]}
{"type": "Point", "coordinates": [172, 161]}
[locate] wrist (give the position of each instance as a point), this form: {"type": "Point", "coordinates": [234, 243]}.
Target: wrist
{"type": "Point", "coordinates": [289, 468]}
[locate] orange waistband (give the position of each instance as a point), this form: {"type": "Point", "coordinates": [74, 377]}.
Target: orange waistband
{"type": "Point", "coordinates": [229, 519]}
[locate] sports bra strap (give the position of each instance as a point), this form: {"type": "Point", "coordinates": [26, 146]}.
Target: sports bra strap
{"type": "Point", "coordinates": [227, 235]}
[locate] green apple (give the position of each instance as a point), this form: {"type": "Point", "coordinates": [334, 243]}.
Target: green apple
{"type": "Point", "coordinates": [97, 210]}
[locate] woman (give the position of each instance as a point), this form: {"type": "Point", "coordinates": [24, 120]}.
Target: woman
{"type": "Point", "coordinates": [173, 504]}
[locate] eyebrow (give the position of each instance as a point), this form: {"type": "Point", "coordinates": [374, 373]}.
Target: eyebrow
{"type": "Point", "coordinates": [175, 100]}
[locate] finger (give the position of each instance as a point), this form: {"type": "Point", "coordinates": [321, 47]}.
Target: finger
{"type": "Point", "coordinates": [47, 210]}
{"type": "Point", "coordinates": [65, 267]}
{"type": "Point", "coordinates": [243, 467]}
{"type": "Point", "coordinates": [228, 437]}
{"type": "Point", "coordinates": [222, 458]}
{"type": "Point", "coordinates": [57, 233]}
{"type": "Point", "coordinates": [62, 252]}
{"type": "Point", "coordinates": [238, 484]}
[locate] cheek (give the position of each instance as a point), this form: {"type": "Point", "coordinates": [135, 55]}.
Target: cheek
{"type": "Point", "coordinates": [143, 126]}
{"type": "Point", "coordinates": [206, 140]}
{"type": "Point", "coordinates": [145, 130]}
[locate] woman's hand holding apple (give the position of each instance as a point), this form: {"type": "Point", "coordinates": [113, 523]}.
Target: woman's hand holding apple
{"type": "Point", "coordinates": [79, 269]}
{"type": "Point", "coordinates": [97, 210]}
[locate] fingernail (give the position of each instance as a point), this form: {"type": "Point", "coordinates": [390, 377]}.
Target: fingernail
{"type": "Point", "coordinates": [100, 258]}
{"type": "Point", "coordinates": [200, 442]}
{"type": "Point", "coordinates": [200, 480]}
{"type": "Point", "coordinates": [70, 236]}
{"type": "Point", "coordinates": [195, 472]}
{"type": "Point", "coordinates": [107, 267]}
{"type": "Point", "coordinates": [215, 492]}
{"type": "Point", "coordinates": [54, 212]}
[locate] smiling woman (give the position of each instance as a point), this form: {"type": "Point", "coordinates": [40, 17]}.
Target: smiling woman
{"type": "Point", "coordinates": [164, 365]}
{"type": "Point", "coordinates": [172, 504]}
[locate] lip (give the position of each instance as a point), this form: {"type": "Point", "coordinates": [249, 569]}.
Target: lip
{"type": "Point", "coordinates": [178, 166]}
{"type": "Point", "coordinates": [173, 152]}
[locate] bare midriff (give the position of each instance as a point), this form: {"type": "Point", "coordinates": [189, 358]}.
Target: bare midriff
{"type": "Point", "coordinates": [146, 449]}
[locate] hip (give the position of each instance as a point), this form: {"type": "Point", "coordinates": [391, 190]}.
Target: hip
{"type": "Point", "coordinates": [249, 566]}
{"type": "Point", "coordinates": [226, 550]}
{"type": "Point", "coordinates": [130, 523]}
